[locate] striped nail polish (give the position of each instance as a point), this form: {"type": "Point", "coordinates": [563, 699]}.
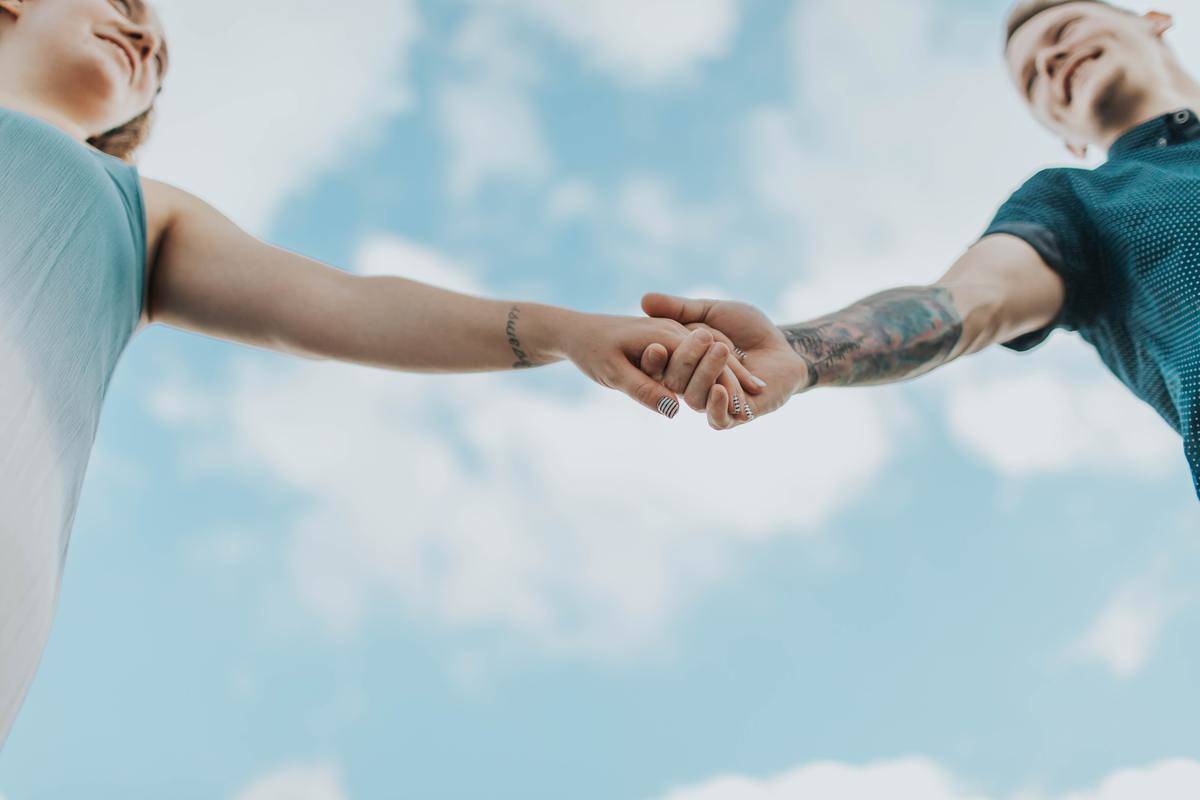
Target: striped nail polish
{"type": "Point", "coordinates": [740, 353]}
{"type": "Point", "coordinates": [737, 405]}
{"type": "Point", "coordinates": [668, 407]}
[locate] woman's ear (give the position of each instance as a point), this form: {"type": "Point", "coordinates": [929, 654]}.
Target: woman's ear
{"type": "Point", "coordinates": [1160, 22]}
{"type": "Point", "coordinates": [1080, 151]}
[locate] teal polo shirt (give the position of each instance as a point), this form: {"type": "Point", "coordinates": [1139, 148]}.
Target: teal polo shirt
{"type": "Point", "coordinates": [1125, 237]}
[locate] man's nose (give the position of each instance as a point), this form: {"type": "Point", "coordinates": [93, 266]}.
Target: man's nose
{"type": "Point", "coordinates": [1055, 60]}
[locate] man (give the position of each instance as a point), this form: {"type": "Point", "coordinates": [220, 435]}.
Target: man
{"type": "Point", "coordinates": [1113, 253]}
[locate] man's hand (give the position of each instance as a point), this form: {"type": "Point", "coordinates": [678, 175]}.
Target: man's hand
{"type": "Point", "coordinates": [608, 350]}
{"type": "Point", "coordinates": [760, 346]}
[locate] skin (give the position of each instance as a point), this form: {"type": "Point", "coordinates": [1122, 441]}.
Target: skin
{"type": "Point", "coordinates": [1122, 72]}
{"type": "Point", "coordinates": [68, 62]}
{"type": "Point", "coordinates": [1000, 288]}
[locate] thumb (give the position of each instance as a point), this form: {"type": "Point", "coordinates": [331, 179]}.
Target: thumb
{"type": "Point", "coordinates": [654, 361]}
{"type": "Point", "coordinates": [647, 392]}
{"type": "Point", "coordinates": [680, 309]}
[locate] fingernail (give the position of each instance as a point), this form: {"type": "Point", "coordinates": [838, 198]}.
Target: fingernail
{"type": "Point", "coordinates": [740, 352]}
{"type": "Point", "coordinates": [668, 407]}
{"type": "Point", "coordinates": [737, 405]}
{"type": "Point", "coordinates": [749, 414]}
{"type": "Point", "coordinates": [759, 381]}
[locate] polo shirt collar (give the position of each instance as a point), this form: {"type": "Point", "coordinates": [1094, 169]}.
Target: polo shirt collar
{"type": "Point", "coordinates": [1176, 127]}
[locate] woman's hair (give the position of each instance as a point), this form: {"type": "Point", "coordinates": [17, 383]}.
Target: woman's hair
{"type": "Point", "coordinates": [123, 141]}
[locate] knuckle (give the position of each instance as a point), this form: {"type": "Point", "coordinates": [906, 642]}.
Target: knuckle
{"type": "Point", "coordinates": [645, 393]}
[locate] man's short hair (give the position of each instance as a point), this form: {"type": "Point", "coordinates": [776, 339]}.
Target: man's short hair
{"type": "Point", "coordinates": [1028, 9]}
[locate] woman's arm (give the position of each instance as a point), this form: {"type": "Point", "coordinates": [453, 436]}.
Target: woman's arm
{"type": "Point", "coordinates": [211, 277]}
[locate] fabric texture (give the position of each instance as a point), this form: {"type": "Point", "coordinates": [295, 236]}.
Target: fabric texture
{"type": "Point", "coordinates": [1125, 238]}
{"type": "Point", "coordinates": [72, 256]}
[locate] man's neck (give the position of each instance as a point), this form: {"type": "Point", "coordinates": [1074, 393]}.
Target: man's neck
{"type": "Point", "coordinates": [1155, 107]}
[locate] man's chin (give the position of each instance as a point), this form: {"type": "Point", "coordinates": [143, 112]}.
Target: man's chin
{"type": "Point", "coordinates": [1115, 102]}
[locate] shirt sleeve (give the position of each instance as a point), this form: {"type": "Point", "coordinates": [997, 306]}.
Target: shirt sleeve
{"type": "Point", "coordinates": [1047, 214]}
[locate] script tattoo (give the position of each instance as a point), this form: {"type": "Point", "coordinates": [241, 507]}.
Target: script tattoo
{"type": "Point", "coordinates": [888, 337]}
{"type": "Point", "coordinates": [523, 362]}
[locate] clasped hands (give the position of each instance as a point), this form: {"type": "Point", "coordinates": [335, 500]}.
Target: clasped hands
{"type": "Point", "coordinates": [723, 358]}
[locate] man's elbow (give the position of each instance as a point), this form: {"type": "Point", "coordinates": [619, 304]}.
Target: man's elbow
{"type": "Point", "coordinates": [982, 309]}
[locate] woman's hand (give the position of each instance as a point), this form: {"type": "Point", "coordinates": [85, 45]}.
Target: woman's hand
{"type": "Point", "coordinates": [758, 343]}
{"type": "Point", "coordinates": [613, 350]}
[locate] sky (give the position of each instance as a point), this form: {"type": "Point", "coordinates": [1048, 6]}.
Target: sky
{"type": "Point", "coordinates": [301, 580]}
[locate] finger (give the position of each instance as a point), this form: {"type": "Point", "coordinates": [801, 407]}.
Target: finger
{"type": "Point", "coordinates": [685, 359]}
{"type": "Point", "coordinates": [710, 368]}
{"type": "Point", "coordinates": [680, 309]}
{"type": "Point", "coordinates": [649, 393]}
{"type": "Point", "coordinates": [718, 409]}
{"type": "Point", "coordinates": [749, 410]}
{"type": "Point", "coordinates": [654, 361]}
{"type": "Point", "coordinates": [737, 397]}
{"type": "Point", "coordinates": [751, 382]}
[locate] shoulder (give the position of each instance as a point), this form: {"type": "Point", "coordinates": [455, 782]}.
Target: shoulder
{"type": "Point", "coordinates": [165, 204]}
{"type": "Point", "coordinates": [1053, 194]}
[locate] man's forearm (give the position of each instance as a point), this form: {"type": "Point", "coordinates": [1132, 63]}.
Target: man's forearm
{"type": "Point", "coordinates": [888, 337]}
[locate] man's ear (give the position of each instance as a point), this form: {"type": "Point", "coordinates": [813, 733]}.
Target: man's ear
{"type": "Point", "coordinates": [1160, 22]}
{"type": "Point", "coordinates": [1080, 151]}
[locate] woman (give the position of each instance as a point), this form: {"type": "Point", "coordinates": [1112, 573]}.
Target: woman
{"type": "Point", "coordinates": [90, 253]}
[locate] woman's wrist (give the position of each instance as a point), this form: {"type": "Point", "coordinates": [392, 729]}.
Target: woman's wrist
{"type": "Point", "coordinates": [541, 334]}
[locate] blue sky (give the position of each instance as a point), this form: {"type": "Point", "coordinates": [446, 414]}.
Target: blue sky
{"type": "Point", "coordinates": [313, 581]}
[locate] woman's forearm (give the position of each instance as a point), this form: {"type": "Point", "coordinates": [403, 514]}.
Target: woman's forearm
{"type": "Point", "coordinates": [394, 323]}
{"type": "Point", "coordinates": [888, 337]}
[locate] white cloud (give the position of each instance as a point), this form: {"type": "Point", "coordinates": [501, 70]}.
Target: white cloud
{"type": "Point", "coordinates": [912, 148]}
{"type": "Point", "coordinates": [572, 200]}
{"type": "Point", "coordinates": [1049, 416]}
{"type": "Point", "coordinates": [488, 119]}
{"type": "Point", "coordinates": [388, 254]}
{"type": "Point", "coordinates": [922, 779]}
{"type": "Point", "coordinates": [649, 207]}
{"type": "Point", "coordinates": [584, 524]}
{"type": "Point", "coordinates": [1177, 779]}
{"type": "Point", "coordinates": [302, 782]}
{"type": "Point", "coordinates": [264, 96]}
{"type": "Point", "coordinates": [907, 778]}
{"type": "Point", "coordinates": [641, 43]}
{"type": "Point", "coordinates": [1123, 636]}
{"type": "Point", "coordinates": [917, 142]}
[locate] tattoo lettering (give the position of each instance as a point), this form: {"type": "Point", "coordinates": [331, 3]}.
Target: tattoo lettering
{"type": "Point", "coordinates": [510, 329]}
{"type": "Point", "coordinates": [888, 337]}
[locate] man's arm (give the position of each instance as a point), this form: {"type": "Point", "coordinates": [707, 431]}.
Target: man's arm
{"type": "Point", "coordinates": [997, 291]}
{"type": "Point", "coordinates": [211, 277]}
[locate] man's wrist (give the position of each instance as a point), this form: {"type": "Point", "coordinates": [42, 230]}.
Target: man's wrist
{"type": "Point", "coordinates": [803, 376]}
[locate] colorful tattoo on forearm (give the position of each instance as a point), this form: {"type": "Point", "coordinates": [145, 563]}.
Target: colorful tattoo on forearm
{"type": "Point", "coordinates": [523, 362]}
{"type": "Point", "coordinates": [888, 337]}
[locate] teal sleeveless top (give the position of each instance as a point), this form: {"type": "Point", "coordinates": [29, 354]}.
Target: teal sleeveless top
{"type": "Point", "coordinates": [72, 256]}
